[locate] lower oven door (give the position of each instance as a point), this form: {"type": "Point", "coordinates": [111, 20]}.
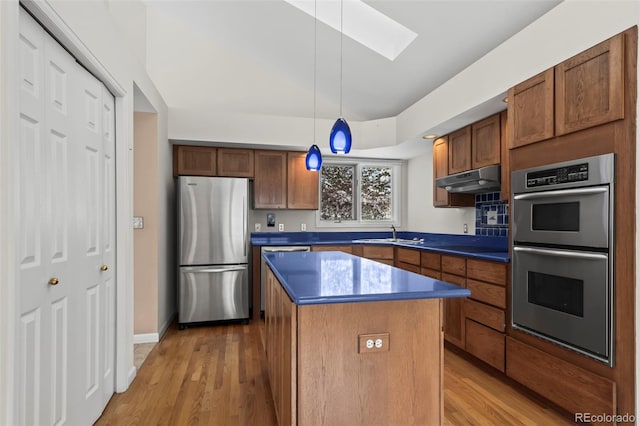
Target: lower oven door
{"type": "Point", "coordinates": [564, 296]}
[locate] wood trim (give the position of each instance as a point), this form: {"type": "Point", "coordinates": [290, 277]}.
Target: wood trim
{"type": "Point", "coordinates": [505, 153]}
{"type": "Point", "coordinates": [483, 270]}
{"type": "Point", "coordinates": [342, 248]}
{"type": "Point", "coordinates": [571, 387]}
{"type": "Point", "coordinates": [255, 281]}
{"type": "Point", "coordinates": [338, 385]}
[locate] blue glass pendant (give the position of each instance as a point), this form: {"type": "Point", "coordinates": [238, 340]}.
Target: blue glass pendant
{"type": "Point", "coordinates": [314, 158]}
{"type": "Point", "coordinates": [340, 137]}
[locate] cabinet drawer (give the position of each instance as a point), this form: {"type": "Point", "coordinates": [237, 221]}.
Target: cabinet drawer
{"type": "Point", "coordinates": [408, 256]}
{"type": "Point", "coordinates": [430, 260]}
{"type": "Point", "coordinates": [377, 252]}
{"type": "Point", "coordinates": [389, 262]}
{"type": "Point", "coordinates": [345, 249]}
{"type": "Point", "coordinates": [491, 272]}
{"type": "Point", "coordinates": [488, 293]}
{"type": "Point", "coordinates": [484, 314]}
{"type": "Point", "coordinates": [485, 343]}
{"type": "Point", "coordinates": [432, 273]}
{"type": "Point", "coordinates": [454, 265]}
{"type": "Point", "coordinates": [408, 267]}
{"type": "Point", "coordinates": [454, 279]}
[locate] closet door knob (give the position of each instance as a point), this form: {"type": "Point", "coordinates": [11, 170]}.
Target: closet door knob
{"type": "Point", "coordinates": [104, 268]}
{"type": "Point", "coordinates": [54, 281]}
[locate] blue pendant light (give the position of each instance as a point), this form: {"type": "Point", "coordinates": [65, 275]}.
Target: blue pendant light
{"type": "Point", "coordinates": [340, 136]}
{"type": "Point", "coordinates": [314, 158]}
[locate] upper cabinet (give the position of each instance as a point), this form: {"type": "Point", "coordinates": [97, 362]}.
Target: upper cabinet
{"type": "Point", "coordinates": [581, 92]}
{"type": "Point", "coordinates": [441, 197]}
{"type": "Point", "coordinates": [530, 106]}
{"type": "Point", "coordinates": [302, 184]}
{"type": "Point", "coordinates": [590, 87]}
{"type": "Point", "coordinates": [485, 142]}
{"type": "Point", "coordinates": [194, 160]}
{"type": "Point", "coordinates": [270, 184]}
{"type": "Point", "coordinates": [460, 151]}
{"type": "Point", "coordinates": [234, 162]}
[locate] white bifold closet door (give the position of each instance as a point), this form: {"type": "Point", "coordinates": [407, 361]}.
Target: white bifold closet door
{"type": "Point", "coordinates": [65, 211]}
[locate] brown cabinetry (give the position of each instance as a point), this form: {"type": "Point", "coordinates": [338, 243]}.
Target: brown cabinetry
{"type": "Point", "coordinates": [460, 150]}
{"type": "Point", "coordinates": [485, 142]}
{"type": "Point", "coordinates": [408, 259]}
{"type": "Point", "coordinates": [270, 184]}
{"type": "Point", "coordinates": [581, 92]}
{"type": "Point", "coordinates": [382, 254]}
{"type": "Point", "coordinates": [441, 197]}
{"type": "Point", "coordinates": [234, 162]}
{"type": "Point", "coordinates": [194, 160]}
{"type": "Point", "coordinates": [345, 248]}
{"type": "Point", "coordinates": [453, 315]}
{"type": "Point", "coordinates": [302, 184]}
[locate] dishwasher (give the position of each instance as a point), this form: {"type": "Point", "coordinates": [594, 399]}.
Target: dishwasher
{"type": "Point", "coordinates": [263, 266]}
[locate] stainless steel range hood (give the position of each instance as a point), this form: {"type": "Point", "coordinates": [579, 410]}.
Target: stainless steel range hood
{"type": "Point", "coordinates": [478, 181]}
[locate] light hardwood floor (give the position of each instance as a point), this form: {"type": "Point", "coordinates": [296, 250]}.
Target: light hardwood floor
{"type": "Point", "coordinates": [217, 376]}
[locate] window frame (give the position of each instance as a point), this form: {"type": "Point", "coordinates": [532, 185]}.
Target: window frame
{"type": "Point", "coordinates": [397, 169]}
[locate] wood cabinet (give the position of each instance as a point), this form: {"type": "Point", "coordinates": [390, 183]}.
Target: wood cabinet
{"type": "Point", "coordinates": [342, 248]}
{"type": "Point", "coordinates": [441, 197]}
{"type": "Point", "coordinates": [302, 184]}
{"type": "Point", "coordinates": [270, 184]}
{"type": "Point", "coordinates": [382, 254]}
{"type": "Point", "coordinates": [194, 160]}
{"type": "Point", "coordinates": [234, 162]}
{"type": "Point", "coordinates": [460, 150]}
{"type": "Point", "coordinates": [453, 315]}
{"type": "Point", "coordinates": [530, 110]}
{"type": "Point", "coordinates": [505, 160]}
{"type": "Point", "coordinates": [584, 91]}
{"type": "Point", "coordinates": [590, 87]}
{"type": "Point", "coordinates": [485, 142]}
{"type": "Point", "coordinates": [407, 259]}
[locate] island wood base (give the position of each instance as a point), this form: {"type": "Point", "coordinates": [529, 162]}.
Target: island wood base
{"type": "Point", "coordinates": [321, 376]}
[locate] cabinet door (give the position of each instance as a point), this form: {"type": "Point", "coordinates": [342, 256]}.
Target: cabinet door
{"type": "Point", "coordinates": [460, 151]}
{"type": "Point", "coordinates": [505, 172]}
{"type": "Point", "coordinates": [485, 142]}
{"type": "Point", "coordinates": [302, 184]}
{"type": "Point", "coordinates": [440, 169]}
{"type": "Point", "coordinates": [453, 315]}
{"type": "Point", "coordinates": [270, 183]}
{"type": "Point", "coordinates": [530, 110]}
{"type": "Point", "coordinates": [235, 162]}
{"type": "Point", "coordinates": [195, 160]}
{"type": "Point", "coordinates": [590, 87]}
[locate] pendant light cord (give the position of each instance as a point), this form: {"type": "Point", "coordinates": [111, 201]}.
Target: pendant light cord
{"type": "Point", "coordinates": [315, 65]}
{"type": "Point", "coordinates": [341, 37]}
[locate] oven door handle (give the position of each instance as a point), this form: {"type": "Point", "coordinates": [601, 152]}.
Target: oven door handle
{"type": "Point", "coordinates": [561, 193]}
{"type": "Point", "coordinates": [561, 253]}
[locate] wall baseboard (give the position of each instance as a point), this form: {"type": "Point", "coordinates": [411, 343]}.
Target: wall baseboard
{"type": "Point", "coordinates": [146, 338]}
{"type": "Point", "coordinates": [167, 324]}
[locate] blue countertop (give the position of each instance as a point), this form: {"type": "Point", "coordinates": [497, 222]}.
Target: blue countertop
{"type": "Point", "coordinates": [312, 278]}
{"type": "Point", "coordinates": [474, 246]}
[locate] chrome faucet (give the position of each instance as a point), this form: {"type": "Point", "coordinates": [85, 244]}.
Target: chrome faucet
{"type": "Point", "coordinates": [393, 229]}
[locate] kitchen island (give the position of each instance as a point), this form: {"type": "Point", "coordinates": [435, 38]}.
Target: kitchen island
{"type": "Point", "coordinates": [353, 341]}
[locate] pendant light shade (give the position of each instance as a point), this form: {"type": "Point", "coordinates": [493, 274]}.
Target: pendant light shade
{"type": "Point", "coordinates": [314, 158]}
{"type": "Point", "coordinates": [340, 137]}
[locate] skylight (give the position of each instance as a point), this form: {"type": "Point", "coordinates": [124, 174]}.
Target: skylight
{"type": "Point", "coordinates": [363, 24]}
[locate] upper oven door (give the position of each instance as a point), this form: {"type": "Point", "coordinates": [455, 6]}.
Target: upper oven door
{"type": "Point", "coordinates": [573, 217]}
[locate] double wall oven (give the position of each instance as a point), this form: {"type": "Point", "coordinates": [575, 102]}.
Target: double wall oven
{"type": "Point", "coordinates": [562, 260]}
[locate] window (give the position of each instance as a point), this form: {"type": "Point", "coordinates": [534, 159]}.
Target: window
{"type": "Point", "coordinates": [360, 194]}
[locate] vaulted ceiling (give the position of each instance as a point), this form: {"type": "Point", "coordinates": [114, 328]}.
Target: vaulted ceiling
{"type": "Point", "coordinates": [258, 57]}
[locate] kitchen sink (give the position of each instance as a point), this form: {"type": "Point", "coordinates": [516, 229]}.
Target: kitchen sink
{"type": "Point", "coordinates": [388, 240]}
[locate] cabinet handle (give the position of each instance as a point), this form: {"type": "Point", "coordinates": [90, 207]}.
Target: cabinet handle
{"type": "Point", "coordinates": [104, 268]}
{"type": "Point", "coordinates": [54, 281]}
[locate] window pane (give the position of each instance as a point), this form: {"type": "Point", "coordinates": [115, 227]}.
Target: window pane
{"type": "Point", "coordinates": [375, 185]}
{"type": "Point", "coordinates": [336, 187]}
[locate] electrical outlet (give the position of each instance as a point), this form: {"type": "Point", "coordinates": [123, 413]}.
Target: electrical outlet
{"type": "Point", "coordinates": [281, 227]}
{"type": "Point", "coordinates": [303, 226]}
{"type": "Point", "coordinates": [378, 342]}
{"type": "Point", "coordinates": [465, 228]}
{"type": "Point", "coordinates": [257, 227]}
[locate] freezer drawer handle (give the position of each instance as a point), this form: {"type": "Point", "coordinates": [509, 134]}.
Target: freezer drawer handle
{"type": "Point", "coordinates": [215, 270]}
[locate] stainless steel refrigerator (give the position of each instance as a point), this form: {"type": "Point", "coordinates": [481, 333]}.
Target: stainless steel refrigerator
{"type": "Point", "coordinates": [213, 282]}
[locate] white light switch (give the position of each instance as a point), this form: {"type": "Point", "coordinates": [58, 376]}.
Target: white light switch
{"type": "Point", "coordinates": [138, 222]}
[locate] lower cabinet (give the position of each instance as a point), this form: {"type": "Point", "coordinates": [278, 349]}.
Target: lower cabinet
{"type": "Point", "coordinates": [345, 248]}
{"type": "Point", "coordinates": [485, 343]}
{"type": "Point", "coordinates": [382, 254]}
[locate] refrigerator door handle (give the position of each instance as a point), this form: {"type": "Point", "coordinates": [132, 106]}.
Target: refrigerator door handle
{"type": "Point", "coordinates": [246, 221]}
{"type": "Point", "coordinates": [208, 270]}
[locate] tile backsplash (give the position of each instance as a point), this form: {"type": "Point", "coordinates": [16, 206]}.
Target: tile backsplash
{"type": "Point", "coordinates": [492, 215]}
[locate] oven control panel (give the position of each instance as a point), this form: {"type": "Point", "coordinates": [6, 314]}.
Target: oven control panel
{"type": "Point", "coordinates": [555, 176]}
